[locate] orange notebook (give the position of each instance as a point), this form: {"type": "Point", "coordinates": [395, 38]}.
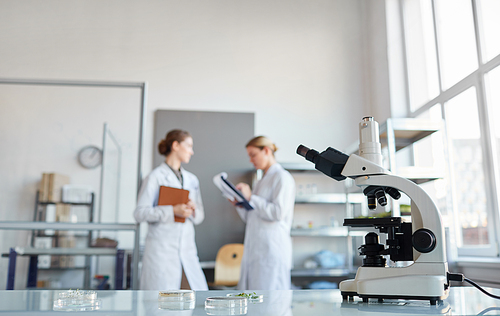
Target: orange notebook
{"type": "Point", "coordinates": [173, 196]}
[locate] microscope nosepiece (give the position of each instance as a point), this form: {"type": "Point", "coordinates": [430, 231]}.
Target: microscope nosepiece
{"type": "Point", "coordinates": [380, 196]}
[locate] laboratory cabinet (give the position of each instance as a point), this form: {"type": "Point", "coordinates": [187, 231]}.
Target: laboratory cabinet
{"type": "Point", "coordinates": [322, 246]}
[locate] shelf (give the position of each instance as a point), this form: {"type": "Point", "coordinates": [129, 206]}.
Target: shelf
{"type": "Point", "coordinates": [70, 203]}
{"type": "Point", "coordinates": [321, 272]}
{"type": "Point", "coordinates": [61, 234]}
{"type": "Point", "coordinates": [207, 264]}
{"type": "Point", "coordinates": [408, 130]}
{"type": "Point", "coordinates": [28, 251]}
{"type": "Point", "coordinates": [320, 232]}
{"type": "Point", "coordinates": [419, 175]}
{"type": "Point", "coordinates": [66, 226]}
{"type": "Point", "coordinates": [298, 166]}
{"type": "Point", "coordinates": [59, 269]}
{"type": "Point", "coordinates": [358, 233]}
{"type": "Point", "coordinates": [329, 198]}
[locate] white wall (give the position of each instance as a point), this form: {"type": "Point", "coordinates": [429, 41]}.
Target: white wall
{"type": "Point", "coordinates": [377, 91]}
{"type": "Point", "coordinates": [300, 66]}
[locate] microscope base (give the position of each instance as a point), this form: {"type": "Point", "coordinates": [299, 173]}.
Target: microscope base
{"type": "Point", "coordinates": [432, 299]}
{"type": "Point", "coordinates": [410, 287]}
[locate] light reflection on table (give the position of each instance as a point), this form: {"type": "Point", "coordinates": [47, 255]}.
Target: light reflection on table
{"type": "Point", "coordinates": [462, 301]}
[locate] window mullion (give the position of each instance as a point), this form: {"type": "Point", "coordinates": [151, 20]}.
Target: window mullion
{"type": "Point", "coordinates": [440, 79]}
{"type": "Point", "coordinates": [444, 96]}
{"type": "Point", "coordinates": [405, 57]}
{"type": "Point", "coordinates": [490, 163]}
{"type": "Point", "coordinates": [477, 32]}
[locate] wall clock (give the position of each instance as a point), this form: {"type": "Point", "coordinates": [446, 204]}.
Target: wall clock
{"type": "Point", "coordinates": [90, 157]}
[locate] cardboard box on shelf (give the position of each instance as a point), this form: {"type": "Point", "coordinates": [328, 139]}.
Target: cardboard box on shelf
{"type": "Point", "coordinates": [43, 190]}
{"type": "Point", "coordinates": [56, 182]}
{"type": "Point", "coordinates": [63, 213]}
{"type": "Point", "coordinates": [50, 188]}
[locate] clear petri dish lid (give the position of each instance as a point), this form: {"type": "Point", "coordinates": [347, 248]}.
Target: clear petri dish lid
{"type": "Point", "coordinates": [176, 306]}
{"type": "Point", "coordinates": [219, 302]}
{"type": "Point", "coordinates": [177, 296]}
{"type": "Point", "coordinates": [252, 297]}
{"type": "Point", "coordinates": [76, 300]}
{"type": "Point", "coordinates": [77, 294]}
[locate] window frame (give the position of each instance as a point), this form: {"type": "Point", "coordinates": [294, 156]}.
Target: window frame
{"type": "Point", "coordinates": [490, 162]}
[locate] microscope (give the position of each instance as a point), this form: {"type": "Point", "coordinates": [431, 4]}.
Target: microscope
{"type": "Point", "coordinates": [420, 242]}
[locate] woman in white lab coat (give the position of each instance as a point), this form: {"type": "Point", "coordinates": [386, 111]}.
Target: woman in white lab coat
{"type": "Point", "coordinates": [267, 256]}
{"type": "Point", "coordinates": [170, 256]}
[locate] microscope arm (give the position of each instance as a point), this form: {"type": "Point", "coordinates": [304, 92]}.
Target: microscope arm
{"type": "Point", "coordinates": [424, 212]}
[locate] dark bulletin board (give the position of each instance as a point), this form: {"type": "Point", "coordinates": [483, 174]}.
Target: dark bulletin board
{"type": "Point", "coordinates": [219, 145]}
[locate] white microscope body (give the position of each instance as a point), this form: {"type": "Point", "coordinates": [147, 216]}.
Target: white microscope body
{"type": "Point", "coordinates": [425, 278]}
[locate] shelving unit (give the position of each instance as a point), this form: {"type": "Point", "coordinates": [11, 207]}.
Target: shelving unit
{"type": "Point", "coordinates": [39, 216]}
{"type": "Point", "coordinates": [399, 133]}
{"type": "Point", "coordinates": [322, 232]}
{"type": "Point", "coordinates": [395, 135]}
{"type": "Point", "coordinates": [32, 252]}
{"type": "Point", "coordinates": [322, 272]}
{"type": "Point", "coordinates": [329, 198]}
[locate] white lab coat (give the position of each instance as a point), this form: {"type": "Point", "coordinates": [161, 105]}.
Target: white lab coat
{"type": "Point", "coordinates": [267, 256]}
{"type": "Point", "coordinates": [170, 246]}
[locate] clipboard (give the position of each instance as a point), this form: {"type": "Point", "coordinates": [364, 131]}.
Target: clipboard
{"type": "Point", "coordinates": [230, 192]}
{"type": "Point", "coordinates": [173, 196]}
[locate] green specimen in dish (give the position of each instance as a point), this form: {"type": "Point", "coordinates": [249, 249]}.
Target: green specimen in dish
{"type": "Point", "coordinates": [252, 296]}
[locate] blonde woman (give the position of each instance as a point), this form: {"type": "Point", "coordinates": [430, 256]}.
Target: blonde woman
{"type": "Point", "coordinates": [267, 257]}
{"type": "Point", "coordinates": [170, 256]}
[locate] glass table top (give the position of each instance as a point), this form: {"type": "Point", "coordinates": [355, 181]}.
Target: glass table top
{"type": "Point", "coordinates": [461, 301]}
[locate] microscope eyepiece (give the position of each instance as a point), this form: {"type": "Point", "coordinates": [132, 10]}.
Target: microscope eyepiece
{"type": "Point", "coordinates": [302, 150]}
{"type": "Point", "coordinates": [330, 162]}
{"type": "Point", "coordinates": [309, 154]}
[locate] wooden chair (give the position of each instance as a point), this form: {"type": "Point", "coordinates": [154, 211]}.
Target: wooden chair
{"type": "Point", "coordinates": [227, 266]}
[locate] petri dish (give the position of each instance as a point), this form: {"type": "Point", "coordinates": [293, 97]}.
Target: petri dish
{"type": "Point", "coordinates": [76, 300]}
{"type": "Point", "coordinates": [252, 297]}
{"type": "Point", "coordinates": [177, 300]}
{"type": "Point", "coordinates": [176, 296]}
{"type": "Point", "coordinates": [225, 305]}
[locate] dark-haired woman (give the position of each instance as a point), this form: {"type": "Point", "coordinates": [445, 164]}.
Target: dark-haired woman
{"type": "Point", "coordinates": [170, 259]}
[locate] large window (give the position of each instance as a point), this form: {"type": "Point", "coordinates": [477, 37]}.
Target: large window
{"type": "Point", "coordinates": [456, 40]}
{"type": "Point", "coordinates": [421, 52]}
{"type": "Point", "coordinates": [452, 63]}
{"type": "Point", "coordinates": [464, 135]}
{"type": "Point", "coordinates": [489, 24]}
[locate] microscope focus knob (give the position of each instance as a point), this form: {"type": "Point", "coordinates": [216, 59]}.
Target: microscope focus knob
{"type": "Point", "coordinates": [424, 240]}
